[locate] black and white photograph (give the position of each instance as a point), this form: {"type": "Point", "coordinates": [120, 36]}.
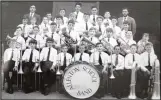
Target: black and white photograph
{"type": "Point", "coordinates": [89, 50]}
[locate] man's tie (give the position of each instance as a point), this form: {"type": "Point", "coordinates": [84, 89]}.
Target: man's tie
{"type": "Point", "coordinates": [31, 15]}
{"type": "Point", "coordinates": [100, 59]}
{"type": "Point", "coordinates": [76, 15]}
{"type": "Point", "coordinates": [108, 39]}
{"type": "Point", "coordinates": [81, 57]}
{"type": "Point", "coordinates": [94, 20]}
{"type": "Point", "coordinates": [30, 60]}
{"type": "Point", "coordinates": [133, 57]}
{"type": "Point", "coordinates": [48, 54]}
{"type": "Point", "coordinates": [149, 59]}
{"type": "Point", "coordinates": [24, 28]}
{"type": "Point", "coordinates": [100, 29]}
{"type": "Point", "coordinates": [86, 26]}
{"type": "Point", "coordinates": [116, 61]}
{"type": "Point", "coordinates": [11, 55]}
{"type": "Point", "coordinates": [64, 64]}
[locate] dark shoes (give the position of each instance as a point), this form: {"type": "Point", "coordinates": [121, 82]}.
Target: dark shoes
{"type": "Point", "coordinates": [9, 90]}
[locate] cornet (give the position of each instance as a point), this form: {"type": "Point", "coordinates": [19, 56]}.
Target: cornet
{"type": "Point", "coordinates": [133, 82]}
{"type": "Point", "coordinates": [112, 75]}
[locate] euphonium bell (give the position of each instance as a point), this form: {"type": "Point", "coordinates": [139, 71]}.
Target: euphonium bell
{"type": "Point", "coordinates": [39, 69]}
{"type": "Point", "coordinates": [156, 88]}
{"type": "Point", "coordinates": [112, 75]}
{"type": "Point", "coordinates": [20, 71]}
{"type": "Point", "coordinates": [58, 71]}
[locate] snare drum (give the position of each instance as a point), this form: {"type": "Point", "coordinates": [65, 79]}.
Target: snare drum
{"type": "Point", "coordinates": [81, 80]}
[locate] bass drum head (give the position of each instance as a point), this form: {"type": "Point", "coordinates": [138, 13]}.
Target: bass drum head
{"type": "Point", "coordinates": [81, 80]}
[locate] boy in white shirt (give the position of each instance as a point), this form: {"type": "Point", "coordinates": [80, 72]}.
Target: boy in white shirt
{"type": "Point", "coordinates": [11, 62]}
{"type": "Point", "coordinates": [60, 24]}
{"type": "Point", "coordinates": [62, 13]}
{"type": "Point", "coordinates": [100, 26]}
{"type": "Point", "coordinates": [48, 58]}
{"type": "Point", "coordinates": [107, 21]}
{"type": "Point", "coordinates": [79, 14]}
{"type": "Point", "coordinates": [49, 16]}
{"type": "Point", "coordinates": [115, 28]}
{"type": "Point", "coordinates": [93, 15]}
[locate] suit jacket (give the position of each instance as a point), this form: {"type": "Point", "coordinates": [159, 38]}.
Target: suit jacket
{"type": "Point", "coordinates": [131, 21]}
{"type": "Point", "coordinates": [38, 18]}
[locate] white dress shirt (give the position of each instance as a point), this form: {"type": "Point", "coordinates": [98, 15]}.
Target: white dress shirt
{"type": "Point", "coordinates": [108, 21]}
{"type": "Point", "coordinates": [144, 59]}
{"type": "Point", "coordinates": [21, 40]}
{"type": "Point", "coordinates": [45, 28]}
{"type": "Point", "coordinates": [91, 18]}
{"type": "Point", "coordinates": [52, 55]}
{"type": "Point", "coordinates": [16, 55]}
{"type": "Point", "coordinates": [65, 19]}
{"type": "Point", "coordinates": [60, 58]}
{"type": "Point", "coordinates": [27, 53]}
{"type": "Point", "coordinates": [103, 28]}
{"type": "Point", "coordinates": [79, 16]}
{"type": "Point", "coordinates": [116, 31]}
{"type": "Point", "coordinates": [74, 35]}
{"type": "Point", "coordinates": [120, 65]}
{"type": "Point", "coordinates": [26, 29]}
{"type": "Point", "coordinates": [94, 58]}
{"type": "Point", "coordinates": [38, 38]}
{"type": "Point", "coordinates": [56, 38]}
{"type": "Point", "coordinates": [85, 57]}
{"type": "Point", "coordinates": [112, 41]}
{"type": "Point", "coordinates": [83, 25]}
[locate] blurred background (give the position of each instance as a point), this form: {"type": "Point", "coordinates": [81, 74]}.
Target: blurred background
{"type": "Point", "coordinates": [146, 15]}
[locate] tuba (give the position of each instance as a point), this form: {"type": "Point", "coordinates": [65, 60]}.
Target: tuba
{"type": "Point", "coordinates": [133, 81]}
{"type": "Point", "coordinates": [156, 88]}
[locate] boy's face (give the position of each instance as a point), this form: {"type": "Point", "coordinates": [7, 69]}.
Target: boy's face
{"type": "Point", "coordinates": [32, 45]}
{"type": "Point", "coordinates": [65, 49]}
{"type": "Point", "coordinates": [49, 43]}
{"type": "Point", "coordinates": [99, 47]}
{"type": "Point", "coordinates": [18, 31]}
{"type": "Point", "coordinates": [72, 17]}
{"type": "Point", "coordinates": [33, 21]}
{"type": "Point", "coordinates": [91, 32]}
{"type": "Point", "coordinates": [45, 20]}
{"type": "Point", "coordinates": [62, 12]}
{"type": "Point", "coordinates": [58, 20]}
{"type": "Point", "coordinates": [49, 16]}
{"type": "Point", "coordinates": [35, 30]}
{"type": "Point", "coordinates": [86, 18]}
{"type": "Point", "coordinates": [81, 49]}
{"type": "Point", "coordinates": [133, 49]}
{"type": "Point", "coordinates": [148, 48]}
{"type": "Point", "coordinates": [146, 38]}
{"type": "Point", "coordinates": [32, 9]}
{"type": "Point", "coordinates": [126, 26]}
{"type": "Point", "coordinates": [109, 34]}
{"type": "Point", "coordinates": [128, 34]}
{"type": "Point", "coordinates": [107, 15]}
{"type": "Point", "coordinates": [99, 21]}
{"type": "Point", "coordinates": [77, 8]}
{"type": "Point", "coordinates": [12, 45]}
{"type": "Point", "coordinates": [53, 28]}
{"type": "Point", "coordinates": [94, 11]}
{"type": "Point", "coordinates": [125, 12]}
{"type": "Point", "coordinates": [114, 21]}
{"type": "Point", "coordinates": [70, 26]}
{"type": "Point", "coordinates": [24, 21]}
{"type": "Point", "coordinates": [117, 50]}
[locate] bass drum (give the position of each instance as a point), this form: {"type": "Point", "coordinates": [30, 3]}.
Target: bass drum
{"type": "Point", "coordinates": [81, 80]}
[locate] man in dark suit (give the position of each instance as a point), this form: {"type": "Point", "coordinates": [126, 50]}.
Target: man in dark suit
{"type": "Point", "coordinates": [33, 14]}
{"type": "Point", "coordinates": [132, 24]}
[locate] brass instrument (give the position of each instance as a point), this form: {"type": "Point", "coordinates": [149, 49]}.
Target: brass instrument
{"type": "Point", "coordinates": [156, 88]}
{"type": "Point", "coordinates": [112, 75]}
{"type": "Point", "coordinates": [132, 94]}
{"type": "Point", "coordinates": [58, 70]}
{"type": "Point", "coordinates": [106, 45]}
{"type": "Point", "coordinates": [69, 39]}
{"type": "Point", "coordinates": [89, 45]}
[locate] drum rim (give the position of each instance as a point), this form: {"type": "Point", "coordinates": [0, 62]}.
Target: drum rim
{"type": "Point", "coordinates": [75, 63]}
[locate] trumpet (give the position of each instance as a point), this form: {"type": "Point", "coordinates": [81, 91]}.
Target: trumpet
{"type": "Point", "coordinates": [156, 88]}
{"type": "Point", "coordinates": [20, 71]}
{"type": "Point", "coordinates": [133, 82]}
{"type": "Point", "coordinates": [58, 70]}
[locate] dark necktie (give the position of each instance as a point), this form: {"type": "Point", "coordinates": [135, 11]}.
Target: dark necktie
{"type": "Point", "coordinates": [11, 55]}
{"type": "Point", "coordinates": [100, 59]}
{"type": "Point", "coordinates": [133, 57]}
{"type": "Point", "coordinates": [94, 18]}
{"type": "Point", "coordinates": [48, 54]}
{"type": "Point", "coordinates": [64, 64]}
{"type": "Point", "coordinates": [149, 59]}
{"type": "Point", "coordinates": [81, 57]}
{"type": "Point", "coordinates": [24, 28]}
{"type": "Point", "coordinates": [76, 15]}
{"type": "Point", "coordinates": [30, 60]}
{"type": "Point", "coordinates": [116, 61]}
{"type": "Point", "coordinates": [108, 39]}
{"type": "Point", "coordinates": [86, 26]}
{"type": "Point", "coordinates": [100, 29]}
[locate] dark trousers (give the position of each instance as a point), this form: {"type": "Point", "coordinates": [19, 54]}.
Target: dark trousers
{"type": "Point", "coordinates": [9, 74]}
{"type": "Point", "coordinates": [142, 81]}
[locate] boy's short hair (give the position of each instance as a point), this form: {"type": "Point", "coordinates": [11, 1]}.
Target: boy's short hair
{"type": "Point", "coordinates": [53, 23]}
{"type": "Point", "coordinates": [58, 16]}
{"type": "Point", "coordinates": [98, 43]}
{"type": "Point", "coordinates": [18, 27]}
{"type": "Point", "coordinates": [125, 8]}
{"type": "Point", "coordinates": [116, 46]}
{"type": "Point", "coordinates": [146, 34]}
{"type": "Point", "coordinates": [134, 45]}
{"type": "Point", "coordinates": [36, 27]}
{"type": "Point", "coordinates": [100, 17]}
{"type": "Point", "coordinates": [109, 30]}
{"type": "Point", "coordinates": [48, 13]}
{"type": "Point", "coordinates": [32, 41]}
{"type": "Point", "coordinates": [92, 28]}
{"type": "Point", "coordinates": [86, 13]}
{"type": "Point", "coordinates": [81, 45]}
{"type": "Point", "coordinates": [78, 3]}
{"type": "Point", "coordinates": [126, 22]}
{"type": "Point", "coordinates": [64, 45]}
{"type": "Point", "coordinates": [49, 40]}
{"type": "Point", "coordinates": [94, 7]}
{"type": "Point", "coordinates": [71, 21]}
{"type": "Point", "coordinates": [114, 17]}
{"type": "Point", "coordinates": [149, 44]}
{"type": "Point", "coordinates": [62, 9]}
